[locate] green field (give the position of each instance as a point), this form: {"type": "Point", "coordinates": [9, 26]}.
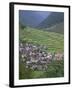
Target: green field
{"type": "Point", "coordinates": [54, 43]}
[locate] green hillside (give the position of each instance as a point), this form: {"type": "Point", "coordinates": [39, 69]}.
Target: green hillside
{"type": "Point", "coordinates": [59, 28]}
{"type": "Point", "coordinates": [53, 41]}
{"type": "Point", "coordinates": [53, 19]}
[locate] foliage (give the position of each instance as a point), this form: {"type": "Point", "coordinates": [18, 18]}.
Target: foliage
{"type": "Point", "coordinates": [24, 73]}
{"type": "Point", "coordinates": [21, 26]}
{"type": "Point", "coordinates": [55, 69]}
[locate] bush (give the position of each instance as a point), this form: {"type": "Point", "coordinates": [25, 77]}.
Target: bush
{"type": "Point", "coordinates": [55, 69]}
{"type": "Point", "coordinates": [24, 73]}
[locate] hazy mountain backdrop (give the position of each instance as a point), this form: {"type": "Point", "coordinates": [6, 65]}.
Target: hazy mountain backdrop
{"type": "Point", "coordinates": [52, 19]}
{"type": "Point", "coordinates": [32, 18]}
{"type": "Point", "coordinates": [43, 20]}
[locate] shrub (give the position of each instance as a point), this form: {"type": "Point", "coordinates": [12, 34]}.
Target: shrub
{"type": "Point", "coordinates": [55, 69]}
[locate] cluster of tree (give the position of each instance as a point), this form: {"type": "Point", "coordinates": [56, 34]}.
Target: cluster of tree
{"type": "Point", "coordinates": [21, 26]}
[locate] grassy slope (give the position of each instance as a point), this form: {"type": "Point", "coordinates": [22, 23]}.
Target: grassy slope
{"type": "Point", "coordinates": [59, 28]}
{"type": "Point", "coordinates": [54, 41]}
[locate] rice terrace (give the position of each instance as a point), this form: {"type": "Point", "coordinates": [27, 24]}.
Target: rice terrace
{"type": "Point", "coordinates": [41, 44]}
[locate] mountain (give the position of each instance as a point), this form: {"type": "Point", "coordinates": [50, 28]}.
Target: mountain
{"type": "Point", "coordinates": [52, 19]}
{"type": "Point", "coordinates": [58, 28]}
{"type": "Point", "coordinates": [44, 20]}
{"type": "Point", "coordinates": [32, 18]}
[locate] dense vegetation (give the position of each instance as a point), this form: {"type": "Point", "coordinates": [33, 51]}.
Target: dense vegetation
{"type": "Point", "coordinates": [54, 43]}
{"type": "Point", "coordinates": [55, 69]}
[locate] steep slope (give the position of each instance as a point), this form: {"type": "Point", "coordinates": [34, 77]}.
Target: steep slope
{"type": "Point", "coordinates": [32, 18]}
{"type": "Point", "coordinates": [52, 19]}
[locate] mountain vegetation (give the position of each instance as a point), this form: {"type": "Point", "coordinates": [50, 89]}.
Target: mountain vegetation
{"type": "Point", "coordinates": [54, 43]}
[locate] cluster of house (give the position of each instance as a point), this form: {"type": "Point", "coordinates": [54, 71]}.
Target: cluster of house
{"type": "Point", "coordinates": [36, 57]}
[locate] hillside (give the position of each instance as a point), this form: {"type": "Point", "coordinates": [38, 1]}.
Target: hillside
{"type": "Point", "coordinates": [53, 19]}
{"type": "Point", "coordinates": [32, 18]}
{"type": "Point", "coordinates": [53, 41]}
{"type": "Point", "coordinates": [58, 28]}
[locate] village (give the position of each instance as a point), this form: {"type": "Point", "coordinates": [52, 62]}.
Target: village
{"type": "Point", "coordinates": [36, 57]}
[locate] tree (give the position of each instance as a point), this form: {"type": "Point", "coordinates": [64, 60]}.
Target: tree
{"type": "Point", "coordinates": [21, 25]}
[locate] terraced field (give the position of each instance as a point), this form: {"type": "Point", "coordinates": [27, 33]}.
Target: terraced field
{"type": "Point", "coordinates": [53, 41]}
